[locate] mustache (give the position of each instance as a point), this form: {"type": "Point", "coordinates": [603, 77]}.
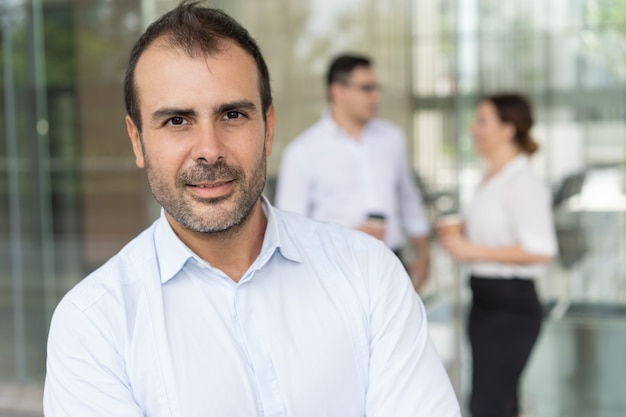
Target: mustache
{"type": "Point", "coordinates": [204, 172]}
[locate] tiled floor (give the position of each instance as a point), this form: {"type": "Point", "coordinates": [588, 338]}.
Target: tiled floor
{"type": "Point", "coordinates": [21, 400]}
{"type": "Point", "coordinates": [578, 368]}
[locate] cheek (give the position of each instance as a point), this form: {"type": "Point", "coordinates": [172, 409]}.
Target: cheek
{"type": "Point", "coordinates": [246, 154]}
{"type": "Point", "coordinates": [485, 132]}
{"type": "Point", "coordinates": [481, 138]}
{"type": "Point", "coordinates": [164, 163]}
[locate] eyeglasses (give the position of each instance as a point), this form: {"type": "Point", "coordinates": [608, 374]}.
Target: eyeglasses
{"type": "Point", "coordinates": [365, 88]}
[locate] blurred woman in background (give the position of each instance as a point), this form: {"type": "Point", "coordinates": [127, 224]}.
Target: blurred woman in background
{"type": "Point", "coordinates": [508, 238]}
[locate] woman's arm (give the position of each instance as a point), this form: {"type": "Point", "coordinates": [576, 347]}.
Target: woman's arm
{"type": "Point", "coordinates": [463, 250]}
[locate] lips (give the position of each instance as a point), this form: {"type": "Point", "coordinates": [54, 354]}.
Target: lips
{"type": "Point", "coordinates": [210, 190]}
{"type": "Point", "coordinates": [212, 184]}
{"type": "Point", "coordinates": [210, 180]}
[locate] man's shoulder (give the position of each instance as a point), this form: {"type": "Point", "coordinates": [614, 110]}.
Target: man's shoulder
{"type": "Point", "coordinates": [120, 276]}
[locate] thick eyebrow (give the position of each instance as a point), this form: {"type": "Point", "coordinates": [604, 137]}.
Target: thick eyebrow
{"type": "Point", "coordinates": [167, 112]}
{"type": "Point", "coordinates": [235, 105]}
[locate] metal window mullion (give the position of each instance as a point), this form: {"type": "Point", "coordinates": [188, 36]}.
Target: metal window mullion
{"type": "Point", "coordinates": [43, 162]}
{"type": "Point", "coordinates": [15, 219]}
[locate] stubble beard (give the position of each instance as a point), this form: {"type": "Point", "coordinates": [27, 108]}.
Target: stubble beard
{"type": "Point", "coordinates": [210, 215]}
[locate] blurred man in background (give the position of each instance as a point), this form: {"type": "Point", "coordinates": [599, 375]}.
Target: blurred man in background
{"type": "Point", "coordinates": [351, 168]}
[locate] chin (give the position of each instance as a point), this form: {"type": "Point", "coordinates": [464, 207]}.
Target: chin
{"type": "Point", "coordinates": [368, 117]}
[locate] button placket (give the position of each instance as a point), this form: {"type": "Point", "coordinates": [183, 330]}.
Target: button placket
{"type": "Point", "coordinates": [259, 357]}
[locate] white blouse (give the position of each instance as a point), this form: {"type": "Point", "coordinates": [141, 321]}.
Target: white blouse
{"type": "Point", "coordinates": [512, 208]}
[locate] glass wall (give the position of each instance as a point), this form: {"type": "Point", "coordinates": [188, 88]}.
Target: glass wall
{"type": "Point", "coordinates": [71, 196]}
{"type": "Point", "coordinates": [69, 193]}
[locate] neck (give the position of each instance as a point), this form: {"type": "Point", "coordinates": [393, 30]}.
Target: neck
{"type": "Point", "coordinates": [231, 251]}
{"type": "Point", "coordinates": [499, 158]}
{"type": "Point", "coordinates": [351, 125]}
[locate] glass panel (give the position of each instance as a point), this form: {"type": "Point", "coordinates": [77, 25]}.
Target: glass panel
{"type": "Point", "coordinates": [63, 142]}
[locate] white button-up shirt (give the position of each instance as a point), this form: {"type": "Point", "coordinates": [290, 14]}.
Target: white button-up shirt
{"type": "Point", "coordinates": [512, 208]}
{"type": "Point", "coordinates": [323, 323]}
{"type": "Point", "coordinates": [327, 175]}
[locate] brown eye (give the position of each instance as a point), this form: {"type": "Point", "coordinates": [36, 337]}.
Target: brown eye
{"type": "Point", "coordinates": [233, 115]}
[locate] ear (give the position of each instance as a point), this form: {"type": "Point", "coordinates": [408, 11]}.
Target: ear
{"type": "Point", "coordinates": [334, 91]}
{"type": "Point", "coordinates": [135, 139]}
{"type": "Point", "coordinates": [270, 125]}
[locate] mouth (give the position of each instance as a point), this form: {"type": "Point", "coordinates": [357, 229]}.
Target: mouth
{"type": "Point", "coordinates": [211, 189]}
{"type": "Point", "coordinates": [211, 184]}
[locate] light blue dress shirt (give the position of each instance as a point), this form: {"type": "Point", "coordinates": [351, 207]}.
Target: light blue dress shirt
{"type": "Point", "coordinates": [324, 323]}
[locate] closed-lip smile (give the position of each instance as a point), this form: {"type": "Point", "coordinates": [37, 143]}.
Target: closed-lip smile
{"type": "Point", "coordinates": [212, 189]}
{"type": "Point", "coordinates": [211, 184]}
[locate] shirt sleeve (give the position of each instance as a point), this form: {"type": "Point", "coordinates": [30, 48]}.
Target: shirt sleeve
{"type": "Point", "coordinates": [533, 223]}
{"type": "Point", "coordinates": [293, 186]}
{"type": "Point", "coordinates": [406, 376]}
{"type": "Point", "coordinates": [85, 374]}
{"type": "Point", "coordinates": [412, 209]}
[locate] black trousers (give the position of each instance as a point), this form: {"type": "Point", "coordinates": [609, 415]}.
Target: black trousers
{"type": "Point", "coordinates": [504, 324]}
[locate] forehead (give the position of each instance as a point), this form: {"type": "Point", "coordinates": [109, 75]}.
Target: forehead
{"type": "Point", "coordinates": [172, 70]}
{"type": "Point", "coordinates": [362, 73]}
{"type": "Point", "coordinates": [487, 109]}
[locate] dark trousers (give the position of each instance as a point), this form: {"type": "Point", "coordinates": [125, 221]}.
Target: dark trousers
{"type": "Point", "coordinates": [504, 324]}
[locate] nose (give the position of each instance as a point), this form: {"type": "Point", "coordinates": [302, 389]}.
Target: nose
{"type": "Point", "coordinates": [207, 145]}
{"type": "Point", "coordinates": [375, 96]}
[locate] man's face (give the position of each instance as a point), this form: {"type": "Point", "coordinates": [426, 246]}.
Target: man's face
{"type": "Point", "coordinates": [360, 95]}
{"type": "Point", "coordinates": [204, 142]}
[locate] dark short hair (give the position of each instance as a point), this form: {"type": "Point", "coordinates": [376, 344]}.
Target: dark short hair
{"type": "Point", "coordinates": [342, 66]}
{"type": "Point", "coordinates": [195, 29]}
{"type": "Point", "coordinates": [516, 109]}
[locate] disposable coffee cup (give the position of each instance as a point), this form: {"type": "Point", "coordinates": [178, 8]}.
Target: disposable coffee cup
{"type": "Point", "coordinates": [451, 224]}
{"type": "Point", "coordinates": [376, 217]}
{"type": "Point", "coordinates": [376, 221]}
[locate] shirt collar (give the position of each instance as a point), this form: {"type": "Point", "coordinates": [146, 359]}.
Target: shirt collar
{"type": "Point", "coordinates": [173, 254]}
{"type": "Point", "coordinates": [329, 122]}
